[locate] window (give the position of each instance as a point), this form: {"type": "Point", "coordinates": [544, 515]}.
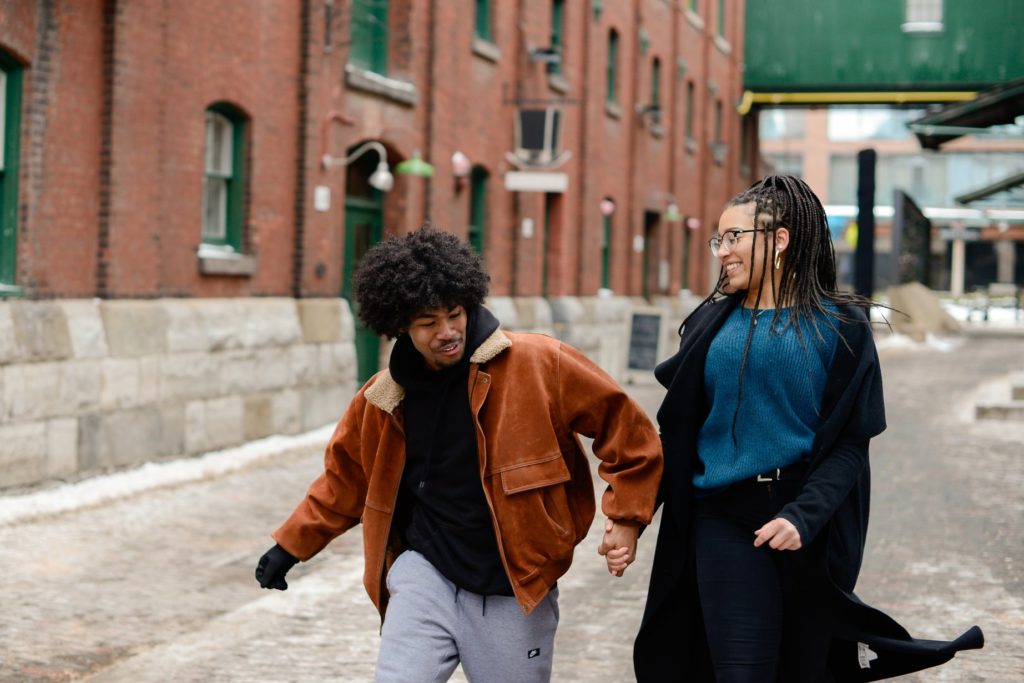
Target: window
{"type": "Point", "coordinates": [718, 121]}
{"type": "Point", "coordinates": [557, 17]}
{"type": "Point", "coordinates": [10, 129]}
{"type": "Point", "coordinates": [688, 124]}
{"type": "Point", "coordinates": [695, 6]}
{"type": "Point", "coordinates": [923, 16]}
{"type": "Point", "coordinates": [477, 207]}
{"type": "Point", "coordinates": [612, 94]}
{"type": "Point", "coordinates": [655, 82]}
{"type": "Point", "coordinates": [720, 19]}
{"type": "Point", "coordinates": [870, 123]}
{"type": "Point", "coordinates": [785, 163]}
{"type": "Point", "coordinates": [606, 246]}
{"type": "Point", "coordinates": [779, 123]}
{"type": "Point", "coordinates": [926, 177]}
{"type": "Point", "coordinates": [223, 180]}
{"type": "Point", "coordinates": [718, 146]}
{"type": "Point", "coordinates": [369, 39]}
{"type": "Point", "coordinates": [483, 20]}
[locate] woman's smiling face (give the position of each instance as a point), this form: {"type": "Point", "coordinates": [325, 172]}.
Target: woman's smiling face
{"type": "Point", "coordinates": [736, 250]}
{"type": "Point", "coordinates": [743, 267]}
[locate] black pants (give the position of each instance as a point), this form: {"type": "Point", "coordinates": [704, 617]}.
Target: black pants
{"type": "Point", "coordinates": [744, 591]}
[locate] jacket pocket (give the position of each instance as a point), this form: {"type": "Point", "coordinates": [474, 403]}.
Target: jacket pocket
{"type": "Point", "coordinates": [545, 471]}
{"type": "Point", "coordinates": [536, 504]}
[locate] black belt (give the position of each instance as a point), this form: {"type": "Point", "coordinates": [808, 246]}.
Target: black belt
{"type": "Point", "coordinates": [787, 473]}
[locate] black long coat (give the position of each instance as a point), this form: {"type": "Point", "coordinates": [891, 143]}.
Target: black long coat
{"type": "Point", "coordinates": [831, 514]}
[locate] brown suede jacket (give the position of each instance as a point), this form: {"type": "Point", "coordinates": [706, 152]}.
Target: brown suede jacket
{"type": "Point", "coordinates": [531, 396]}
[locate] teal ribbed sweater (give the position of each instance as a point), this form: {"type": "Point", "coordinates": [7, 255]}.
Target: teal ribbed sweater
{"type": "Point", "coordinates": [783, 384]}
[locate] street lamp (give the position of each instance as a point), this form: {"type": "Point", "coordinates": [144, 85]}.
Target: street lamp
{"type": "Point", "coordinates": [381, 179]}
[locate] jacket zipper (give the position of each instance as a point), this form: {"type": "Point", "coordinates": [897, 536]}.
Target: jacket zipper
{"type": "Point", "coordinates": [487, 493]}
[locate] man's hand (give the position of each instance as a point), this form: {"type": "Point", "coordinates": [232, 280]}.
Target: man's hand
{"type": "Point", "coordinates": [619, 545]}
{"type": "Point", "coordinates": [779, 534]}
{"type": "Point", "coordinates": [272, 567]}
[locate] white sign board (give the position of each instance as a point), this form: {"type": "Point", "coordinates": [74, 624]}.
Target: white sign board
{"type": "Point", "coordinates": [536, 181]}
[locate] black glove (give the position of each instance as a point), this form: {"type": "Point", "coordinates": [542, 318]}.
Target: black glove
{"type": "Point", "coordinates": [272, 567]}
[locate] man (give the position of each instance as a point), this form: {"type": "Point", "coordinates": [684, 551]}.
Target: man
{"type": "Point", "coordinates": [463, 464]}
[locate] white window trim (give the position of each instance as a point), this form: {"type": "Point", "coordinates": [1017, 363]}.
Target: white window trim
{"type": "Point", "coordinates": [225, 172]}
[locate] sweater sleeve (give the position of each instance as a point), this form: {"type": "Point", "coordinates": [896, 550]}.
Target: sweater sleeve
{"type": "Point", "coordinates": [592, 404]}
{"type": "Point", "coordinates": [334, 502]}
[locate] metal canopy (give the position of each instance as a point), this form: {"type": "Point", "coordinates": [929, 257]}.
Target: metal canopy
{"type": "Point", "coordinates": [1006, 192]}
{"type": "Point", "coordinates": [992, 107]}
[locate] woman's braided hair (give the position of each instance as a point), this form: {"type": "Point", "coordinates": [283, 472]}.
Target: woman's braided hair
{"type": "Point", "coordinates": [807, 278]}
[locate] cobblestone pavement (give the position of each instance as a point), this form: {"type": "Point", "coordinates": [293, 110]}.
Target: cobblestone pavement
{"type": "Point", "coordinates": [159, 587]}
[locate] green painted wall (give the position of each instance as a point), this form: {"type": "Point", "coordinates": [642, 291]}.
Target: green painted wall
{"type": "Point", "coordinates": [839, 45]}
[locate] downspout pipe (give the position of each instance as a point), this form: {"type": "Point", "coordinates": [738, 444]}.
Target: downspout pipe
{"type": "Point", "coordinates": [299, 208]}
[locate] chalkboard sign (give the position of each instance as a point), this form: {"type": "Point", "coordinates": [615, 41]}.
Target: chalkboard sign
{"type": "Point", "coordinates": [644, 335]}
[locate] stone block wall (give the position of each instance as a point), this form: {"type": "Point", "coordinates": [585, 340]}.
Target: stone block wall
{"type": "Point", "coordinates": [597, 325]}
{"type": "Point", "coordinates": [94, 385]}
{"type": "Point", "coordinates": [89, 385]}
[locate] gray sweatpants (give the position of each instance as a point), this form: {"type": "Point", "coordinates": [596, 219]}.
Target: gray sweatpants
{"type": "Point", "coordinates": [431, 625]}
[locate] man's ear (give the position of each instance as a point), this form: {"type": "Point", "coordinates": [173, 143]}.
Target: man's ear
{"type": "Point", "coordinates": [781, 239]}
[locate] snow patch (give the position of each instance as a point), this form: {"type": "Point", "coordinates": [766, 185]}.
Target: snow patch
{"type": "Point", "coordinates": [110, 487]}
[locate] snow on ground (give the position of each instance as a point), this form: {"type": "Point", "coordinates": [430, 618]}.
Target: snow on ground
{"type": "Point", "coordinates": [108, 487]}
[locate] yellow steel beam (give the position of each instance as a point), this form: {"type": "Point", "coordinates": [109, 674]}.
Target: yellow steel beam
{"type": "Point", "coordinates": [751, 98]}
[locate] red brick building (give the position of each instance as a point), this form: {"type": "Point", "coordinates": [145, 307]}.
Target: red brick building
{"type": "Point", "coordinates": [163, 150]}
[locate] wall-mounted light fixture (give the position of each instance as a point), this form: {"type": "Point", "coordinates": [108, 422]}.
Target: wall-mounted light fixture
{"type": "Point", "coordinates": [607, 207]}
{"type": "Point", "coordinates": [671, 213]}
{"type": "Point", "coordinates": [650, 114]}
{"type": "Point", "coordinates": [415, 166]}
{"type": "Point", "coordinates": [551, 57]}
{"type": "Point", "coordinates": [461, 168]}
{"type": "Point", "coordinates": [380, 179]}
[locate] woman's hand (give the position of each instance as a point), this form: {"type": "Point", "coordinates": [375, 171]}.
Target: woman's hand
{"type": "Point", "coordinates": [779, 534]}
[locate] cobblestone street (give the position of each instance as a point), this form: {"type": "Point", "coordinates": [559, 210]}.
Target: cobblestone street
{"type": "Point", "coordinates": [159, 587]}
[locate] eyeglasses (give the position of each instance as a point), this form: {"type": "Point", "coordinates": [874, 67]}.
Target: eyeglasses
{"type": "Point", "coordinates": [730, 239]}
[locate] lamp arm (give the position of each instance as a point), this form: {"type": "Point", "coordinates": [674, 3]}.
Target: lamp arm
{"type": "Point", "coordinates": [330, 162]}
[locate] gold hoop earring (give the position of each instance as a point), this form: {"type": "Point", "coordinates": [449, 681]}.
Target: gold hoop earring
{"type": "Point", "coordinates": [778, 259]}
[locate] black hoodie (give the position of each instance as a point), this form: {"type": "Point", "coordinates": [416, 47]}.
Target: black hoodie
{"type": "Point", "coordinates": [444, 514]}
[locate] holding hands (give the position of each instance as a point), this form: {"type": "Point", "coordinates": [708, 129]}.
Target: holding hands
{"type": "Point", "coordinates": [619, 545]}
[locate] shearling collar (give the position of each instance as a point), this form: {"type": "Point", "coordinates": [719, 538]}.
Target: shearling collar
{"type": "Point", "coordinates": [386, 393]}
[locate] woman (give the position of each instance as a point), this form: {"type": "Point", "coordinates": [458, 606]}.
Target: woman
{"type": "Point", "coordinates": [772, 399]}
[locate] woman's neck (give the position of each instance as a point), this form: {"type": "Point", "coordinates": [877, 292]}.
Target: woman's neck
{"type": "Point", "coordinates": [751, 301]}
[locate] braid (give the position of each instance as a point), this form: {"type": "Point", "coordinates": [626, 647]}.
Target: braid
{"type": "Point", "coordinates": [807, 282]}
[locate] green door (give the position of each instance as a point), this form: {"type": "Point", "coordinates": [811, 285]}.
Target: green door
{"type": "Point", "coordinates": [363, 228]}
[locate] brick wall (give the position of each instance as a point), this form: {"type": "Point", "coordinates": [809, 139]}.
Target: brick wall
{"type": "Point", "coordinates": [113, 136]}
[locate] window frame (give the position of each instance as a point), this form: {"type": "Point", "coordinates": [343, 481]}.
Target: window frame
{"type": "Point", "coordinates": [691, 100]}
{"type": "Point", "coordinates": [606, 250]}
{"type": "Point", "coordinates": [368, 35]}
{"type": "Point", "coordinates": [234, 182]}
{"type": "Point", "coordinates": [656, 81]}
{"type": "Point", "coordinates": [10, 139]}
{"type": "Point", "coordinates": [612, 68]}
{"type": "Point", "coordinates": [482, 29]}
{"type": "Point", "coordinates": [557, 35]}
{"type": "Point", "coordinates": [477, 226]}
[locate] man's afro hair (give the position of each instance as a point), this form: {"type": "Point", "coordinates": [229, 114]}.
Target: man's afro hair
{"type": "Point", "coordinates": [427, 268]}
